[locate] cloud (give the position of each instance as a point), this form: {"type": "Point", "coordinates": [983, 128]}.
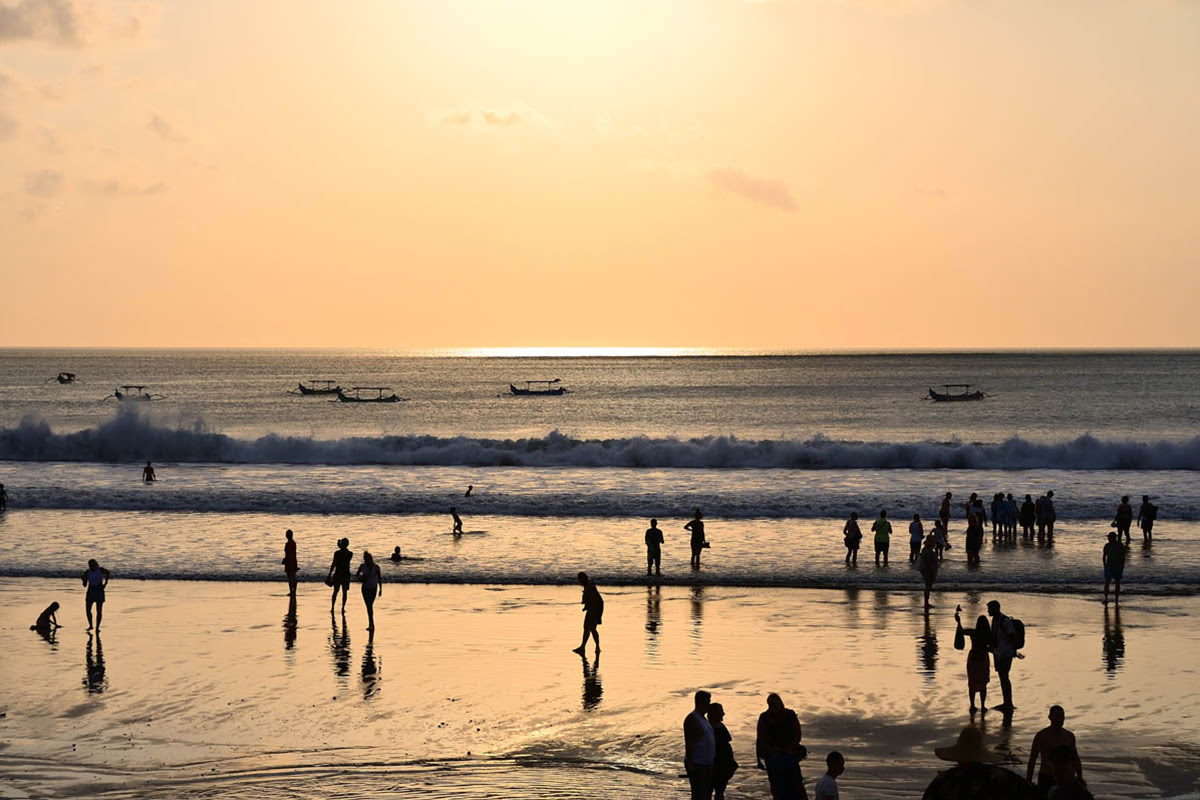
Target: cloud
{"type": "Point", "coordinates": [483, 117]}
{"type": "Point", "coordinates": [9, 126]}
{"type": "Point", "coordinates": [117, 188]}
{"type": "Point", "coordinates": [43, 183]}
{"type": "Point", "coordinates": [57, 22]}
{"type": "Point", "coordinates": [763, 192]}
{"type": "Point", "coordinates": [46, 140]}
{"type": "Point", "coordinates": [165, 130]}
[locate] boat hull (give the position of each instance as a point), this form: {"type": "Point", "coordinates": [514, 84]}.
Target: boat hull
{"type": "Point", "coordinates": [309, 390]}
{"type": "Point", "coordinates": [537, 392]}
{"type": "Point", "coordinates": [345, 398]}
{"type": "Point", "coordinates": [941, 397]}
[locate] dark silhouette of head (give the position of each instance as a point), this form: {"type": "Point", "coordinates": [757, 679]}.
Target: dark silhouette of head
{"type": "Point", "coordinates": [948, 495]}
{"type": "Point", "coordinates": [1057, 716]}
{"type": "Point", "coordinates": [54, 606]}
{"type": "Point", "coordinates": [288, 533]}
{"type": "Point", "coordinates": [1145, 498]}
{"type": "Point", "coordinates": [974, 496]}
{"type": "Point", "coordinates": [983, 629]}
{"type": "Point", "coordinates": [396, 551]}
{"type": "Point", "coordinates": [916, 517]}
{"type": "Point", "coordinates": [853, 515]}
{"type": "Point", "coordinates": [716, 712]}
{"type": "Point", "coordinates": [1029, 497]}
{"type": "Point", "coordinates": [703, 698]}
{"type": "Point", "coordinates": [93, 564]}
{"type": "Point", "coordinates": [698, 514]}
{"type": "Point", "coordinates": [343, 543]}
{"type": "Point", "coordinates": [835, 763]}
{"type": "Point", "coordinates": [1124, 498]}
{"type": "Point", "coordinates": [774, 702]}
{"type": "Point", "coordinates": [1050, 493]}
{"type": "Point", "coordinates": [883, 513]}
{"type": "Point", "coordinates": [653, 523]}
{"type": "Point", "coordinates": [993, 607]}
{"type": "Point", "coordinates": [583, 579]}
{"type": "Point", "coordinates": [1112, 536]}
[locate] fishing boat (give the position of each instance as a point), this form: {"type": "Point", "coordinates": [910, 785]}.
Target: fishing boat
{"type": "Point", "coordinates": [951, 396]}
{"type": "Point", "coordinates": [317, 387]}
{"type": "Point", "coordinates": [65, 377]}
{"type": "Point", "coordinates": [369, 394]}
{"type": "Point", "coordinates": [538, 389]}
{"type": "Point", "coordinates": [134, 392]}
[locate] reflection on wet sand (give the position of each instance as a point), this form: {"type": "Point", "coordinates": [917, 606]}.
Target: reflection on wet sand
{"type": "Point", "coordinates": [1114, 641]}
{"type": "Point", "coordinates": [339, 646]}
{"type": "Point", "coordinates": [697, 601]}
{"type": "Point", "coordinates": [289, 625]}
{"type": "Point", "coordinates": [50, 635]}
{"type": "Point", "coordinates": [653, 619]}
{"type": "Point", "coordinates": [928, 648]}
{"type": "Point", "coordinates": [95, 679]}
{"type": "Point", "coordinates": [370, 669]}
{"type": "Point", "coordinates": [593, 688]}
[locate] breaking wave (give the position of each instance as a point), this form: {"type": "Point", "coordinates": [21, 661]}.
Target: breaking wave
{"type": "Point", "coordinates": [130, 436]}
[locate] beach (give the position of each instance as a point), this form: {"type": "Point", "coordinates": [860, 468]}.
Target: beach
{"type": "Point", "coordinates": [196, 688]}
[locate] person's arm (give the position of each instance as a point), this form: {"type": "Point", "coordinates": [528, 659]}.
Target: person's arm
{"type": "Point", "coordinates": [690, 738]}
{"type": "Point", "coordinates": [106, 575]}
{"type": "Point", "coordinates": [1035, 750]}
{"type": "Point", "coordinates": [760, 738]}
{"type": "Point", "coordinates": [379, 580]}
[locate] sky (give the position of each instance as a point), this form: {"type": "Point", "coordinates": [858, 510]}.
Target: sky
{"type": "Point", "coordinates": [789, 175]}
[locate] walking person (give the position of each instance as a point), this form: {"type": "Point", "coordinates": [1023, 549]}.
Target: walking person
{"type": "Point", "coordinates": [699, 541]}
{"type": "Point", "coordinates": [699, 748]}
{"type": "Point", "coordinates": [724, 764]}
{"type": "Point", "coordinates": [1005, 644]}
{"type": "Point", "coordinates": [95, 578]}
{"type": "Point", "coordinates": [1114, 565]}
{"type": "Point", "coordinates": [883, 536]}
{"type": "Point", "coordinates": [1047, 739]}
{"type": "Point", "coordinates": [654, 542]}
{"type": "Point", "coordinates": [372, 585]}
{"type": "Point", "coordinates": [979, 670]}
{"type": "Point", "coordinates": [593, 612]}
{"type": "Point", "coordinates": [1147, 513]}
{"type": "Point", "coordinates": [290, 565]}
{"type": "Point", "coordinates": [339, 573]}
{"type": "Point", "coordinates": [1028, 517]}
{"type": "Point", "coordinates": [852, 538]}
{"type": "Point", "coordinates": [778, 749]}
{"type": "Point", "coordinates": [928, 563]}
{"type": "Point", "coordinates": [1123, 520]}
{"type": "Point", "coordinates": [916, 535]}
{"type": "Point", "coordinates": [975, 506]}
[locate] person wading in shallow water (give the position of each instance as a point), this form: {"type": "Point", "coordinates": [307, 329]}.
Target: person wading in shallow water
{"type": "Point", "coordinates": [339, 573]}
{"type": "Point", "coordinates": [593, 612]}
{"type": "Point", "coordinates": [148, 475]}
{"type": "Point", "coordinates": [654, 542]}
{"type": "Point", "coordinates": [928, 563]}
{"type": "Point", "coordinates": [883, 537]}
{"type": "Point", "coordinates": [852, 538]}
{"type": "Point", "coordinates": [290, 565]}
{"type": "Point", "coordinates": [699, 541]}
{"type": "Point", "coordinates": [372, 585]}
{"type": "Point", "coordinates": [95, 579]}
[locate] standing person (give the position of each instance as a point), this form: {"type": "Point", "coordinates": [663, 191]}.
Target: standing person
{"type": "Point", "coordinates": [979, 670]}
{"type": "Point", "coordinates": [974, 541]}
{"type": "Point", "coordinates": [1114, 565]}
{"type": "Point", "coordinates": [1028, 517]}
{"type": "Point", "coordinates": [827, 788]}
{"type": "Point", "coordinates": [883, 536]}
{"type": "Point", "coordinates": [852, 538]}
{"type": "Point", "coordinates": [148, 475]}
{"type": "Point", "coordinates": [1147, 513]}
{"type": "Point", "coordinates": [975, 506]}
{"type": "Point", "coordinates": [724, 764]}
{"type": "Point", "coordinates": [941, 538]}
{"type": "Point", "coordinates": [1124, 519]}
{"type": "Point", "coordinates": [654, 542]}
{"type": "Point", "coordinates": [916, 535]}
{"type": "Point", "coordinates": [928, 563]}
{"type": "Point", "coordinates": [372, 585]}
{"type": "Point", "coordinates": [1004, 650]}
{"type": "Point", "coordinates": [457, 529]}
{"type": "Point", "coordinates": [95, 578]}
{"type": "Point", "coordinates": [290, 565]}
{"type": "Point", "coordinates": [778, 749]}
{"type": "Point", "coordinates": [593, 612]}
{"type": "Point", "coordinates": [699, 542]}
{"type": "Point", "coordinates": [997, 513]}
{"type": "Point", "coordinates": [1010, 513]}
{"type": "Point", "coordinates": [699, 748]}
{"type": "Point", "coordinates": [1052, 736]}
{"type": "Point", "coordinates": [944, 511]}
{"type": "Point", "coordinates": [3, 498]}
{"type": "Point", "coordinates": [1045, 516]}
{"type": "Point", "coordinates": [339, 573]}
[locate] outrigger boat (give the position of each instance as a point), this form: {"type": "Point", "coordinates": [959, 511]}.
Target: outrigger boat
{"type": "Point", "coordinates": [63, 377]}
{"type": "Point", "coordinates": [538, 389]}
{"type": "Point", "coordinates": [355, 394]}
{"type": "Point", "coordinates": [949, 396]}
{"type": "Point", "coordinates": [134, 392]}
{"type": "Point", "coordinates": [317, 387]}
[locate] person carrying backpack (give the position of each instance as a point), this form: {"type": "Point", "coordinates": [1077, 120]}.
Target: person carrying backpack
{"type": "Point", "coordinates": [1008, 637]}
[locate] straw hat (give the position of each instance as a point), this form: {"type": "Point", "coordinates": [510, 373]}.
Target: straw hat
{"type": "Point", "coordinates": [968, 749]}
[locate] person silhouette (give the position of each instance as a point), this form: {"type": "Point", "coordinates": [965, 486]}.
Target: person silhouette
{"type": "Point", "coordinates": [95, 578]}
{"type": "Point", "coordinates": [593, 612]}
{"type": "Point", "coordinates": [47, 621]}
{"type": "Point", "coordinates": [3, 498]}
{"type": "Point", "coordinates": [979, 669]}
{"type": "Point", "coordinates": [148, 475]}
{"type": "Point", "coordinates": [699, 748]}
{"type": "Point", "coordinates": [339, 573]}
{"type": "Point", "coordinates": [1114, 565]}
{"type": "Point", "coordinates": [778, 750]}
{"type": "Point", "coordinates": [396, 554]}
{"type": "Point", "coordinates": [457, 529]}
{"type": "Point", "coordinates": [852, 538]}
{"type": "Point", "coordinates": [928, 563]}
{"type": "Point", "coordinates": [699, 541]}
{"type": "Point", "coordinates": [290, 564]}
{"type": "Point", "coordinates": [467, 493]}
{"type": "Point", "coordinates": [724, 764]}
{"type": "Point", "coordinates": [372, 585]}
{"type": "Point", "coordinates": [1123, 520]}
{"type": "Point", "coordinates": [1147, 513]}
{"type": "Point", "coordinates": [654, 542]}
{"type": "Point", "coordinates": [1004, 650]}
{"type": "Point", "coordinates": [1052, 736]}
{"type": "Point", "coordinates": [883, 537]}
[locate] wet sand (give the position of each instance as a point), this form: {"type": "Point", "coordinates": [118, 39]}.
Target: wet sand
{"type": "Point", "coordinates": [214, 688]}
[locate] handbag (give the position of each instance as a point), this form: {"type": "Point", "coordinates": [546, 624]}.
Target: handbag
{"type": "Point", "coordinates": [329, 580]}
{"type": "Point", "coordinates": [960, 639]}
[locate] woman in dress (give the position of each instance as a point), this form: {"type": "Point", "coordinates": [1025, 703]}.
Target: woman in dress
{"type": "Point", "coordinates": [95, 578]}
{"type": "Point", "coordinates": [979, 669]}
{"type": "Point", "coordinates": [372, 585]}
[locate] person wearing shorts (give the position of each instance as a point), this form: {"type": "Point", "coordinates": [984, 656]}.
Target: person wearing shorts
{"type": "Point", "coordinates": [883, 533]}
{"type": "Point", "coordinates": [339, 573]}
{"type": "Point", "coordinates": [1114, 565]}
{"type": "Point", "coordinates": [95, 579]}
{"type": "Point", "coordinates": [654, 541]}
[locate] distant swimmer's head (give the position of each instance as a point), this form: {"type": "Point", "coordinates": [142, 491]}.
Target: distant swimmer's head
{"type": "Point", "coordinates": [93, 564]}
{"type": "Point", "coordinates": [288, 533]}
{"type": "Point", "coordinates": [774, 702]}
{"type": "Point", "coordinates": [396, 552]}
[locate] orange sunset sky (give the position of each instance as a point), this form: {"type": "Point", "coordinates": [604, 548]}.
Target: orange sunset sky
{"type": "Point", "coordinates": [796, 174]}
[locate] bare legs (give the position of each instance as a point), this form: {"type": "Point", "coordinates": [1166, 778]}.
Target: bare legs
{"type": "Point", "coordinates": [588, 630]}
{"type": "Point", "coordinates": [99, 614]}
